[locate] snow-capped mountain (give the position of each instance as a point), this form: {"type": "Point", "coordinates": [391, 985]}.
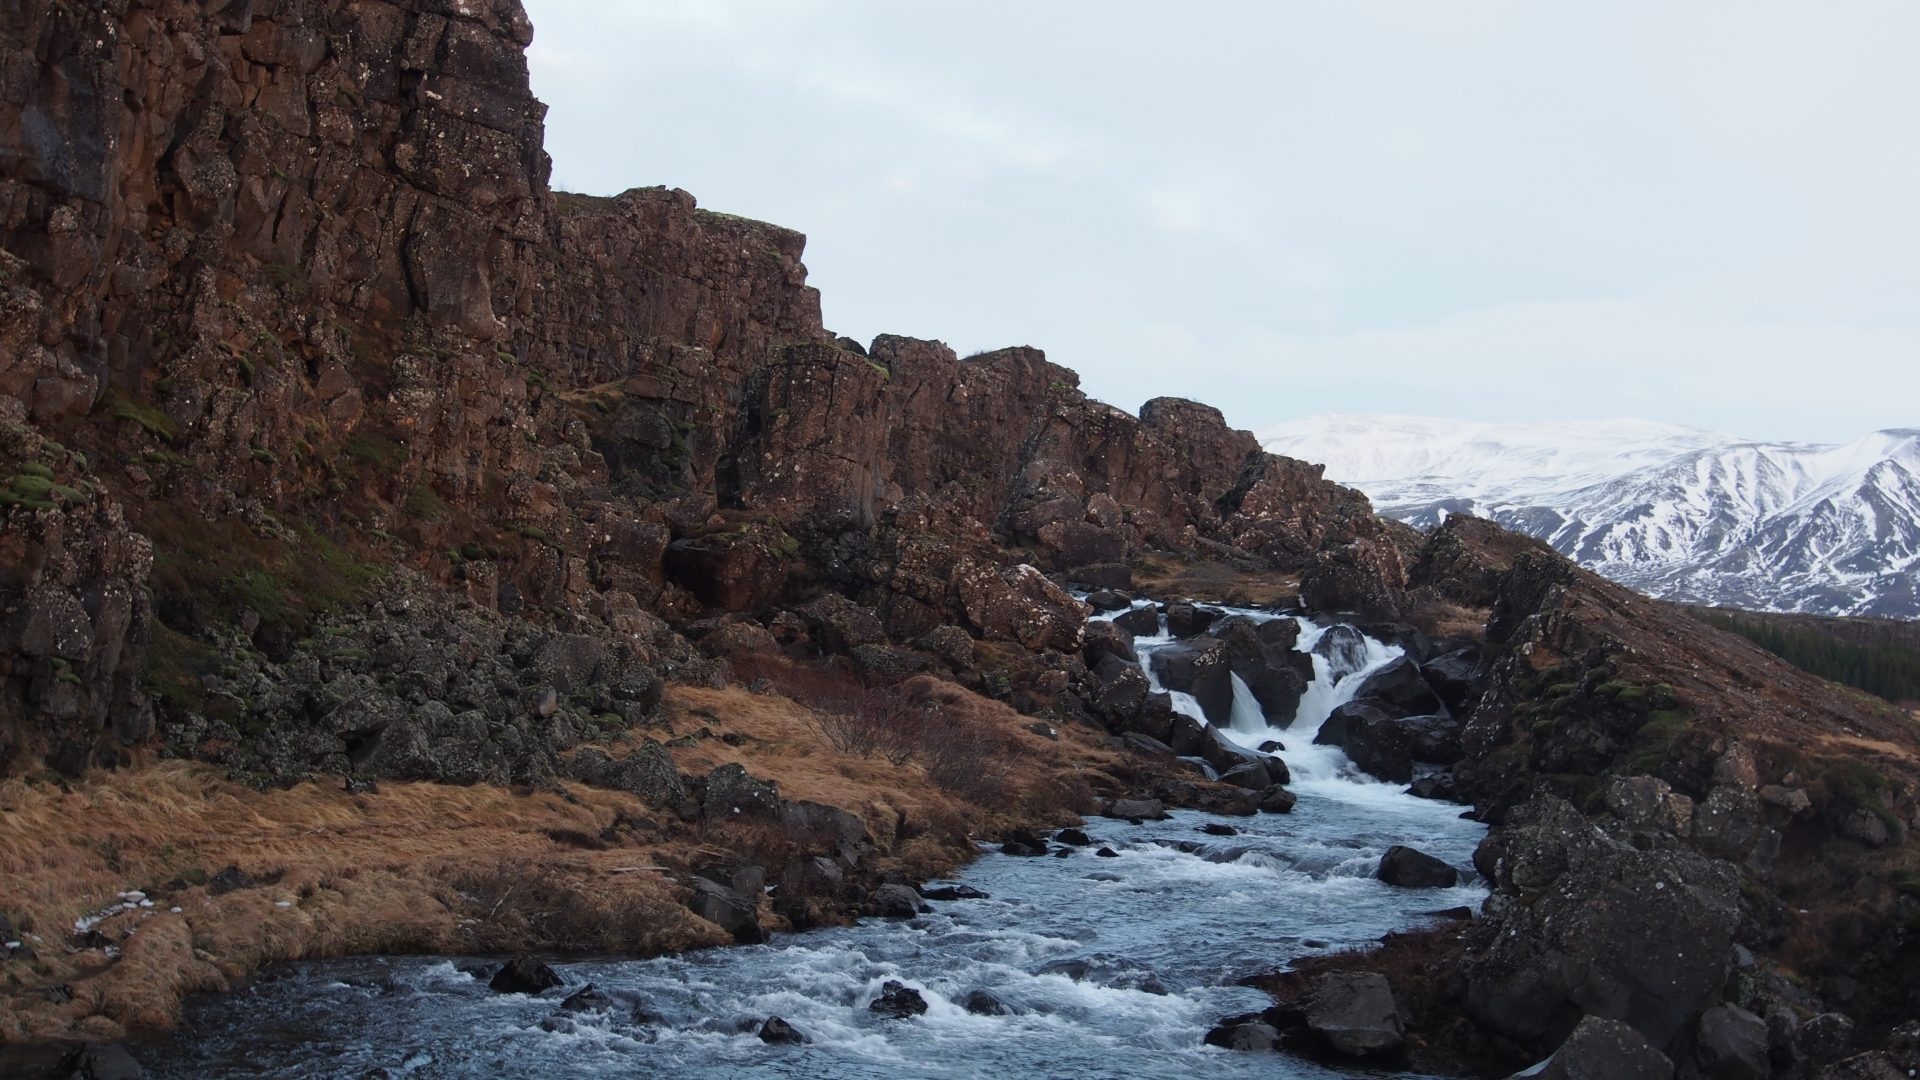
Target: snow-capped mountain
{"type": "Point", "coordinates": [1676, 512]}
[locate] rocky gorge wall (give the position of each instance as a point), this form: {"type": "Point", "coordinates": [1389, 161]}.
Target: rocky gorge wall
{"type": "Point", "coordinates": [288, 279]}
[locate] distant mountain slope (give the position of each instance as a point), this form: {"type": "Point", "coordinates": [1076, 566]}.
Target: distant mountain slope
{"type": "Point", "coordinates": [1676, 512]}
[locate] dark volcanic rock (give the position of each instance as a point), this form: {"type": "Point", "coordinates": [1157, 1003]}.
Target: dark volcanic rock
{"type": "Point", "coordinates": [1639, 936]}
{"type": "Point", "coordinates": [898, 902]}
{"type": "Point", "coordinates": [1372, 735]}
{"type": "Point", "coordinates": [1262, 654]}
{"type": "Point", "coordinates": [588, 999]}
{"type": "Point", "coordinates": [731, 910]}
{"type": "Point", "coordinates": [1454, 676]}
{"type": "Point", "coordinates": [1732, 1043]}
{"type": "Point", "coordinates": [1140, 622]}
{"type": "Point", "coordinates": [523, 975]}
{"type": "Point", "coordinates": [729, 791]}
{"type": "Point", "coordinates": [1400, 685]}
{"type": "Point", "coordinates": [1601, 1049]}
{"type": "Point", "coordinates": [1408, 868]}
{"type": "Point", "coordinates": [778, 1031]}
{"type": "Point", "coordinates": [1277, 800]}
{"type": "Point", "coordinates": [985, 1003]}
{"type": "Point", "coordinates": [1354, 1014]}
{"type": "Point", "coordinates": [1248, 1034]}
{"type": "Point", "coordinates": [897, 1001]}
{"type": "Point", "coordinates": [1199, 667]}
{"type": "Point", "coordinates": [1187, 620]}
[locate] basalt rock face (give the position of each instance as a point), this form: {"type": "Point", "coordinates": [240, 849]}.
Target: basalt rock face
{"type": "Point", "coordinates": [1674, 812]}
{"type": "Point", "coordinates": [289, 274]}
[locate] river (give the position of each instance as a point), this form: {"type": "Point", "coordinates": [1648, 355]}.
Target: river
{"type": "Point", "coordinates": [1167, 926]}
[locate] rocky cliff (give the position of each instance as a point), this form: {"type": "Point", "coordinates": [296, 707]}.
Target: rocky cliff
{"type": "Point", "coordinates": [287, 284]}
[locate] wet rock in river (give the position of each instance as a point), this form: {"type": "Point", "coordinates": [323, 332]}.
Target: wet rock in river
{"type": "Point", "coordinates": [588, 998]}
{"type": "Point", "coordinates": [523, 975]}
{"type": "Point", "coordinates": [1414, 869]}
{"type": "Point", "coordinates": [897, 1001]}
{"type": "Point", "coordinates": [898, 902]}
{"type": "Point", "coordinates": [985, 1003]}
{"type": "Point", "coordinates": [779, 1032]}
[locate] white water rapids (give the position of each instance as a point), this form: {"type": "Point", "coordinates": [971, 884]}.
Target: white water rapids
{"type": "Point", "coordinates": [1195, 912]}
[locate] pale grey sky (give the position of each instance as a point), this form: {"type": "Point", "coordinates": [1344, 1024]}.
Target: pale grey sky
{"type": "Point", "coordinates": [1701, 213]}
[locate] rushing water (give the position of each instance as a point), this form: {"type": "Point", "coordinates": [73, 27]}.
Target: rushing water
{"type": "Point", "coordinates": [1177, 911]}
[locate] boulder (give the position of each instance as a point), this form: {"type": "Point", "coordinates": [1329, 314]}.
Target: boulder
{"type": "Point", "coordinates": [1354, 1014]}
{"type": "Point", "coordinates": [1136, 809]}
{"type": "Point", "coordinates": [897, 1001]}
{"type": "Point", "coordinates": [731, 910]}
{"type": "Point", "coordinates": [1248, 1035]}
{"type": "Point", "coordinates": [730, 792]}
{"type": "Point", "coordinates": [839, 625]}
{"type": "Point", "coordinates": [1140, 622]}
{"type": "Point", "coordinates": [1601, 1049]}
{"type": "Point", "coordinates": [1120, 688]}
{"type": "Point", "coordinates": [1400, 685]}
{"type": "Point", "coordinates": [1344, 648]}
{"type": "Point", "coordinates": [1731, 1044]}
{"type": "Point", "coordinates": [1276, 800]}
{"type": "Point", "coordinates": [779, 1032]}
{"type": "Point", "coordinates": [1019, 604]}
{"type": "Point", "coordinates": [523, 975]}
{"type": "Point", "coordinates": [1106, 639]}
{"type": "Point", "coordinates": [588, 999]}
{"type": "Point", "coordinates": [1409, 868]}
{"type": "Point", "coordinates": [1073, 837]}
{"type": "Point", "coordinates": [1439, 784]}
{"type": "Point", "coordinates": [647, 772]}
{"type": "Point", "coordinates": [1109, 600]}
{"type": "Point", "coordinates": [1262, 655]}
{"type": "Point", "coordinates": [1146, 744]}
{"type": "Point", "coordinates": [1201, 668]}
{"type": "Point", "coordinates": [985, 1003]}
{"type": "Point", "coordinates": [1370, 733]}
{"type": "Point", "coordinates": [1188, 620]}
{"type": "Point", "coordinates": [1225, 756]}
{"type": "Point", "coordinates": [1648, 802]}
{"type": "Point", "coordinates": [898, 902]}
{"type": "Point", "coordinates": [1454, 676]}
{"type": "Point", "coordinates": [1644, 937]}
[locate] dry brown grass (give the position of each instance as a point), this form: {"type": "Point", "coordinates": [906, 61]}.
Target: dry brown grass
{"type": "Point", "coordinates": [1216, 583]}
{"type": "Point", "coordinates": [375, 872]}
{"type": "Point", "coordinates": [417, 867]}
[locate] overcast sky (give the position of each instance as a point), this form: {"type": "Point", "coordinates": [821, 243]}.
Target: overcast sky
{"type": "Point", "coordinates": [1702, 213]}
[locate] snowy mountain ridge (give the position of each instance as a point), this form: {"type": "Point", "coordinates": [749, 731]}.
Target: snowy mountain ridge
{"type": "Point", "coordinates": [1677, 512]}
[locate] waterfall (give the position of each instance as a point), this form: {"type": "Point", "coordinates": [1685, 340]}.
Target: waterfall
{"type": "Point", "coordinates": [1342, 658]}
